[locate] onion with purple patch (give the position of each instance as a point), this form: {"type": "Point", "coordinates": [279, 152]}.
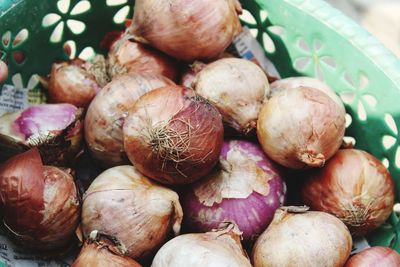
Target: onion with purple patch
{"type": "Point", "coordinates": [246, 187]}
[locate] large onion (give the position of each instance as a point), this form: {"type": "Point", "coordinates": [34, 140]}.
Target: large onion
{"type": "Point", "coordinates": [246, 187]}
{"type": "Point", "coordinates": [127, 55]}
{"type": "Point", "coordinates": [39, 204]}
{"type": "Point", "coordinates": [301, 127]}
{"type": "Point", "coordinates": [56, 129]}
{"type": "Point", "coordinates": [308, 239]}
{"type": "Point", "coordinates": [137, 213]}
{"type": "Point", "coordinates": [375, 256]}
{"type": "Point", "coordinates": [187, 30]}
{"type": "Point", "coordinates": [355, 187]}
{"type": "Point", "coordinates": [237, 87]}
{"type": "Point", "coordinates": [173, 135]}
{"type": "Point", "coordinates": [108, 110]}
{"type": "Point", "coordinates": [219, 248]}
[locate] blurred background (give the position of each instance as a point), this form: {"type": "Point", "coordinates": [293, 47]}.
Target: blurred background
{"type": "Point", "coordinates": [379, 17]}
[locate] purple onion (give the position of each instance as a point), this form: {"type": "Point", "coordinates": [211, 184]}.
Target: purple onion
{"type": "Point", "coordinates": [246, 187]}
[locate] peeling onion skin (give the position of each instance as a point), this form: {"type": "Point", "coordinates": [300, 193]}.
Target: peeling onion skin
{"type": "Point", "coordinates": [108, 110]}
{"type": "Point", "coordinates": [237, 87]}
{"type": "Point", "coordinates": [129, 56]}
{"type": "Point", "coordinates": [40, 205]}
{"type": "Point", "coordinates": [355, 187]}
{"type": "Point", "coordinates": [173, 135]}
{"type": "Point", "coordinates": [375, 256]}
{"type": "Point", "coordinates": [71, 83]}
{"type": "Point", "coordinates": [310, 239]}
{"type": "Point", "coordinates": [187, 30]}
{"type": "Point", "coordinates": [219, 248]}
{"type": "Point", "coordinates": [139, 213]}
{"type": "Point", "coordinates": [246, 187]}
{"type": "Point", "coordinates": [301, 127]}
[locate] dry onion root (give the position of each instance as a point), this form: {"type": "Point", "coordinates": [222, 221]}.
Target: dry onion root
{"type": "Point", "coordinates": [187, 30]}
{"type": "Point", "coordinates": [355, 187]}
{"type": "Point", "coordinates": [173, 135]}
{"type": "Point", "coordinates": [237, 87]}
{"type": "Point", "coordinates": [134, 211]}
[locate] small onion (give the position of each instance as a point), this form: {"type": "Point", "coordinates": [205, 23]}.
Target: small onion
{"type": "Point", "coordinates": [299, 238]}
{"type": "Point", "coordinates": [301, 127]}
{"type": "Point", "coordinates": [129, 56]}
{"type": "Point", "coordinates": [102, 253]}
{"type": "Point", "coordinates": [219, 248]}
{"type": "Point", "coordinates": [108, 110]}
{"type": "Point", "coordinates": [56, 129]}
{"type": "Point", "coordinates": [187, 30]}
{"type": "Point", "coordinates": [375, 256]}
{"type": "Point", "coordinates": [136, 212]}
{"type": "Point", "coordinates": [355, 187]}
{"type": "Point", "coordinates": [39, 204]}
{"type": "Point", "coordinates": [173, 135]}
{"type": "Point", "coordinates": [71, 82]}
{"type": "Point", "coordinates": [246, 187]}
{"type": "Point", "coordinates": [3, 71]}
{"type": "Point", "coordinates": [237, 87]}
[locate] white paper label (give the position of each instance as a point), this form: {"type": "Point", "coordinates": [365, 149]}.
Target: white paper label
{"type": "Point", "coordinates": [13, 99]}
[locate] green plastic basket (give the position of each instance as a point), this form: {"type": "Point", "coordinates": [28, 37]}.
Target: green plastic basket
{"type": "Point", "coordinates": [301, 37]}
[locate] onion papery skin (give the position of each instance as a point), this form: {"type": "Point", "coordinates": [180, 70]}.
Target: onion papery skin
{"type": "Point", "coordinates": [355, 187]}
{"type": "Point", "coordinates": [218, 248]}
{"type": "Point", "coordinates": [237, 87]}
{"type": "Point", "coordinates": [70, 82]}
{"type": "Point", "coordinates": [310, 239]}
{"type": "Point", "coordinates": [301, 127]}
{"type": "Point", "coordinates": [246, 187]}
{"type": "Point", "coordinates": [55, 129]}
{"type": "Point", "coordinates": [187, 30]}
{"type": "Point", "coordinates": [136, 212]}
{"type": "Point", "coordinates": [107, 112]}
{"type": "Point", "coordinates": [189, 75]}
{"type": "Point", "coordinates": [40, 205]}
{"type": "Point", "coordinates": [375, 256]}
{"type": "Point", "coordinates": [126, 56]}
{"type": "Point", "coordinates": [173, 135]}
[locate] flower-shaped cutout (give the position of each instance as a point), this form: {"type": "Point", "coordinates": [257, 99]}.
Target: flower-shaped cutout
{"type": "Point", "coordinates": [10, 46]}
{"type": "Point", "coordinates": [123, 12]}
{"type": "Point", "coordinates": [66, 18]}
{"type": "Point", "coordinates": [390, 141]}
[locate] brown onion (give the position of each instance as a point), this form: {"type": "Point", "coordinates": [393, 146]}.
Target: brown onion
{"type": "Point", "coordinates": [134, 211]}
{"type": "Point", "coordinates": [304, 239]}
{"type": "Point", "coordinates": [39, 204]}
{"type": "Point", "coordinates": [108, 110]}
{"type": "Point", "coordinates": [102, 253]}
{"type": "Point", "coordinates": [126, 55]}
{"type": "Point", "coordinates": [237, 87]}
{"type": "Point", "coordinates": [173, 135]}
{"type": "Point", "coordinates": [187, 30]}
{"type": "Point", "coordinates": [355, 187]}
{"type": "Point", "coordinates": [375, 256]}
{"type": "Point", "coordinates": [301, 127]}
{"type": "Point", "coordinates": [219, 248]}
{"type": "Point", "coordinates": [71, 82]}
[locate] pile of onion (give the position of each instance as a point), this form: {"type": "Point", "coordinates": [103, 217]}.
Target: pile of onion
{"type": "Point", "coordinates": [301, 127]}
{"type": "Point", "coordinates": [40, 206]}
{"type": "Point", "coordinates": [195, 30]}
{"type": "Point", "coordinates": [135, 212]}
{"type": "Point", "coordinates": [219, 248]}
{"type": "Point", "coordinates": [245, 187]}
{"type": "Point", "coordinates": [300, 238]}
{"type": "Point", "coordinates": [126, 55]}
{"type": "Point", "coordinates": [55, 129]}
{"type": "Point", "coordinates": [173, 135]}
{"type": "Point", "coordinates": [237, 87]}
{"type": "Point", "coordinates": [108, 110]}
{"type": "Point", "coordinates": [375, 256]}
{"type": "Point", "coordinates": [355, 187]}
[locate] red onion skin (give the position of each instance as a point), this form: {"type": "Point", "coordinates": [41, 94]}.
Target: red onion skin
{"type": "Point", "coordinates": [253, 213]}
{"type": "Point", "coordinates": [193, 125]}
{"type": "Point", "coordinates": [355, 187]}
{"type": "Point", "coordinates": [374, 257]}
